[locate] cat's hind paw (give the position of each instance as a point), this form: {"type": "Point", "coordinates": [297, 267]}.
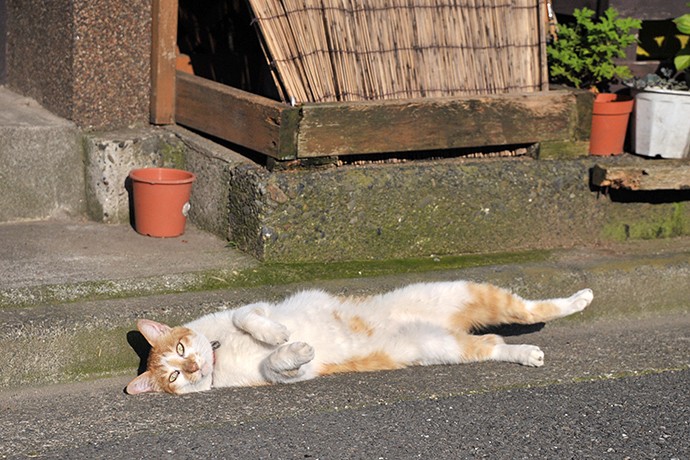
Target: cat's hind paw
{"type": "Point", "coordinates": [302, 351]}
{"type": "Point", "coordinates": [527, 355]}
{"type": "Point", "coordinates": [534, 357]}
{"type": "Point", "coordinates": [579, 301]}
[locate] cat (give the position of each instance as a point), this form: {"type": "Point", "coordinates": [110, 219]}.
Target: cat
{"type": "Point", "coordinates": [313, 333]}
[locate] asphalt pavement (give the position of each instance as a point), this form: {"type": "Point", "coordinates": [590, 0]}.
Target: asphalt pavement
{"type": "Point", "coordinates": [636, 417]}
{"type": "Point", "coordinates": [611, 388]}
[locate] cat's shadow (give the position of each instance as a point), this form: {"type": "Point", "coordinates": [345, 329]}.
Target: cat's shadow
{"type": "Point", "coordinates": [141, 347]}
{"type": "Point", "coordinates": [507, 330]}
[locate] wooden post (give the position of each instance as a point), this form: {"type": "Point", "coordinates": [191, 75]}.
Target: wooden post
{"type": "Point", "coordinates": [543, 21]}
{"type": "Point", "coordinates": [163, 57]}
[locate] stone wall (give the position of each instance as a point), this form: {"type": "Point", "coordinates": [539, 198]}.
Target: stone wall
{"type": "Point", "coordinates": [452, 206]}
{"type": "Point", "coordinates": [84, 60]}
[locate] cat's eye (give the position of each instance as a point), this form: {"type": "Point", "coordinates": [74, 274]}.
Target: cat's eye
{"type": "Point", "coordinates": [180, 349]}
{"type": "Point", "coordinates": [173, 376]}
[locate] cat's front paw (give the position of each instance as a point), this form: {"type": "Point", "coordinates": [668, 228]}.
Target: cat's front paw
{"type": "Point", "coordinates": [275, 334]}
{"type": "Point", "coordinates": [302, 351]}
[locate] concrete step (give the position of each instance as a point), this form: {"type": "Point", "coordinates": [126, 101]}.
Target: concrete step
{"type": "Point", "coordinates": [114, 276]}
{"type": "Point", "coordinates": [42, 172]}
{"type": "Point", "coordinates": [63, 261]}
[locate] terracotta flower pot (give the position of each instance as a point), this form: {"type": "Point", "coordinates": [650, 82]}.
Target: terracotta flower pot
{"type": "Point", "coordinates": [161, 200]}
{"type": "Point", "coordinates": [610, 117]}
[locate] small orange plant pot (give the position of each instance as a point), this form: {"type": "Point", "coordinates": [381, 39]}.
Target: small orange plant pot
{"type": "Point", "coordinates": [161, 200]}
{"type": "Point", "coordinates": [610, 117]}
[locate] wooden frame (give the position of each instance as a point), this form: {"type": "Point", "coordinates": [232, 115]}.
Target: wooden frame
{"type": "Point", "coordinates": [330, 129]}
{"type": "Point", "coordinates": [312, 130]}
{"type": "Point", "coordinates": [163, 59]}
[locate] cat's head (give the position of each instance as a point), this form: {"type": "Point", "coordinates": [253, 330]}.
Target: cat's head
{"type": "Point", "coordinates": [180, 361]}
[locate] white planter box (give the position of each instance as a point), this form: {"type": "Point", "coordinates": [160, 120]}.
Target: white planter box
{"type": "Point", "coordinates": [661, 123]}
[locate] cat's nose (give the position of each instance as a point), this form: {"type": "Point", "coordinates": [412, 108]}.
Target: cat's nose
{"type": "Point", "coordinates": [191, 367]}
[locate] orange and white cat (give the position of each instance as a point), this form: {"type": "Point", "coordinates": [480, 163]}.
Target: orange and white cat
{"type": "Point", "coordinates": [314, 333]}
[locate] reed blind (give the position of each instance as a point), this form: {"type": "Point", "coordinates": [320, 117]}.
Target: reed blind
{"type": "Point", "coordinates": [350, 50]}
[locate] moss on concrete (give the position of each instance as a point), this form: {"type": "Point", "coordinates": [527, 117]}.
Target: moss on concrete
{"type": "Point", "coordinates": [452, 206]}
{"type": "Point", "coordinates": [563, 150]}
{"type": "Point", "coordinates": [98, 353]}
{"type": "Point", "coordinates": [663, 221]}
{"type": "Point", "coordinates": [173, 152]}
{"type": "Point", "coordinates": [282, 273]}
{"type": "Point", "coordinates": [264, 274]}
{"type": "Point", "coordinates": [423, 208]}
{"type": "Point", "coordinates": [56, 354]}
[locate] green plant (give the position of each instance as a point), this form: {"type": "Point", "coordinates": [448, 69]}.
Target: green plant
{"type": "Point", "coordinates": [669, 76]}
{"type": "Point", "coordinates": [682, 59]}
{"type": "Point", "coordinates": [584, 52]}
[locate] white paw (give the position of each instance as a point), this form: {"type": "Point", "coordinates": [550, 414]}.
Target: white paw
{"type": "Point", "coordinates": [276, 334]}
{"type": "Point", "coordinates": [533, 356]}
{"type": "Point", "coordinates": [581, 300]}
{"type": "Point", "coordinates": [302, 351]}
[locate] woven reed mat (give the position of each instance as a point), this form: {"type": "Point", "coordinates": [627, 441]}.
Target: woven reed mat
{"type": "Point", "coordinates": [349, 50]}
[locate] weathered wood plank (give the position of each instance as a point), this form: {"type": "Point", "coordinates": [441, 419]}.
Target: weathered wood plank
{"type": "Point", "coordinates": [331, 129]}
{"type": "Point", "coordinates": [246, 119]}
{"type": "Point", "coordinates": [440, 123]}
{"type": "Point", "coordinates": [666, 175]}
{"type": "Point", "coordinates": [163, 58]}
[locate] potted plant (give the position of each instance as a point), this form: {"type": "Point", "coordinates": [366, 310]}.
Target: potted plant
{"type": "Point", "coordinates": [661, 121]}
{"type": "Point", "coordinates": [582, 55]}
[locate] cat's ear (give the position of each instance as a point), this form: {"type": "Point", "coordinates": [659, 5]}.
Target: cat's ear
{"type": "Point", "coordinates": [152, 330]}
{"type": "Point", "coordinates": [143, 383]}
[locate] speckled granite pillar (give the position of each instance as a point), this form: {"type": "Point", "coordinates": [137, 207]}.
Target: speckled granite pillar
{"type": "Point", "coordinates": [85, 60]}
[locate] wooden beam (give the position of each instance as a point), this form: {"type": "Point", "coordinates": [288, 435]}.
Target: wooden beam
{"type": "Point", "coordinates": [252, 121]}
{"type": "Point", "coordinates": [163, 57]}
{"type": "Point", "coordinates": [354, 128]}
{"type": "Point", "coordinates": [659, 175]}
{"type": "Point", "coordinates": [440, 123]}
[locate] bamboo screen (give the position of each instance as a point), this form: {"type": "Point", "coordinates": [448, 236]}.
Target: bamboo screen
{"type": "Point", "coordinates": [348, 50]}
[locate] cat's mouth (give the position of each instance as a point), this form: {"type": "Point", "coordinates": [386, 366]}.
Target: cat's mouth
{"type": "Point", "coordinates": [206, 369]}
